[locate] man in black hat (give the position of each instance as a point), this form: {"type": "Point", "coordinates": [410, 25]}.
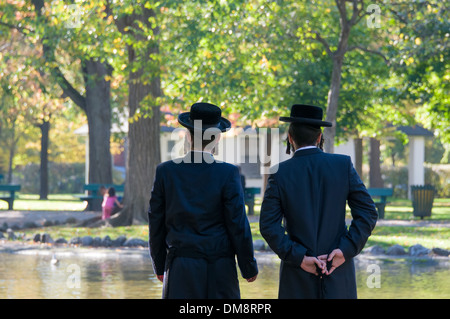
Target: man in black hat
{"type": "Point", "coordinates": [197, 219]}
{"type": "Point", "coordinates": [310, 192]}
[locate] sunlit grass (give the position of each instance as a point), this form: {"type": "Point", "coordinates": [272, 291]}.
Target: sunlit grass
{"type": "Point", "coordinates": [68, 232]}
{"type": "Point", "coordinates": [382, 235]}
{"type": "Point", "coordinates": [60, 202]}
{"type": "Point", "coordinates": [406, 236]}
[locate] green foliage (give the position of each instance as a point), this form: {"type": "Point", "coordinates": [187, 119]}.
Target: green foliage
{"type": "Point", "coordinates": [421, 39]}
{"type": "Point", "coordinates": [253, 58]}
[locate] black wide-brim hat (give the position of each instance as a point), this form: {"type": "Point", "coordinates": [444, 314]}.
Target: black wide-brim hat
{"type": "Point", "coordinates": [306, 114]}
{"type": "Point", "coordinates": [210, 116]}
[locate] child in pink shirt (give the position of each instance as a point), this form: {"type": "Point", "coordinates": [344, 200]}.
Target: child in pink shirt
{"type": "Point", "coordinates": [108, 203]}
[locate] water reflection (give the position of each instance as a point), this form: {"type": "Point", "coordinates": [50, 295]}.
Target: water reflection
{"type": "Point", "coordinates": [110, 276]}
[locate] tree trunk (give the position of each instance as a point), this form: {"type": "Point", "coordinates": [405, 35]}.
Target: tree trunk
{"type": "Point", "coordinates": [358, 142]}
{"type": "Point", "coordinates": [335, 85]}
{"type": "Point", "coordinates": [144, 155]}
{"type": "Point", "coordinates": [143, 134]}
{"type": "Point", "coordinates": [333, 100]}
{"type": "Point", "coordinates": [98, 112]}
{"type": "Point", "coordinates": [12, 151]}
{"type": "Point", "coordinates": [43, 171]}
{"type": "Point", "coordinates": [266, 163]}
{"type": "Point", "coordinates": [375, 179]}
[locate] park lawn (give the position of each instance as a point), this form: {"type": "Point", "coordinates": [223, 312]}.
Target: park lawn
{"type": "Point", "coordinates": [406, 236]}
{"type": "Point", "coordinates": [384, 236]}
{"type": "Point", "coordinates": [57, 202]}
{"type": "Point", "coordinates": [401, 209]}
{"type": "Point", "coordinates": [396, 209]}
{"type": "Point", "coordinates": [68, 232]}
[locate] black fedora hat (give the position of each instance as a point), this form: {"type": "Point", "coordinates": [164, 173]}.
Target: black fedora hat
{"type": "Point", "coordinates": [306, 114]}
{"type": "Point", "coordinates": [210, 116]}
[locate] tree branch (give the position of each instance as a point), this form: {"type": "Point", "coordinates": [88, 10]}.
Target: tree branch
{"type": "Point", "coordinates": [68, 89]}
{"type": "Point", "coordinates": [324, 42]}
{"type": "Point", "coordinates": [342, 13]}
{"type": "Point", "coordinates": [22, 30]}
{"type": "Point", "coordinates": [356, 15]}
{"type": "Point", "coordinates": [357, 47]}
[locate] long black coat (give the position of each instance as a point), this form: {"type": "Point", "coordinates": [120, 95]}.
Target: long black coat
{"type": "Point", "coordinates": [197, 226]}
{"type": "Point", "coordinates": [310, 192]}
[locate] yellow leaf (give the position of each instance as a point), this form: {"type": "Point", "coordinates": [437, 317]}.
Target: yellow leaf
{"type": "Point", "coordinates": [417, 41]}
{"type": "Point", "coordinates": [263, 60]}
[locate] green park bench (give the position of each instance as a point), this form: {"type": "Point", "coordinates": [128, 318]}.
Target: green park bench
{"type": "Point", "coordinates": [382, 193]}
{"type": "Point", "coordinates": [7, 193]}
{"type": "Point", "coordinates": [249, 194]}
{"type": "Point", "coordinates": [93, 193]}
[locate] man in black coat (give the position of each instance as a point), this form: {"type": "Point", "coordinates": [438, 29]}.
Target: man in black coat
{"type": "Point", "coordinates": [197, 219]}
{"type": "Point", "coordinates": [310, 192]}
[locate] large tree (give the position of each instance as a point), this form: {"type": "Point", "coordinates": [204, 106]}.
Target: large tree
{"type": "Point", "coordinates": [138, 25]}
{"type": "Point", "coordinates": [96, 73]}
{"type": "Point", "coordinates": [83, 73]}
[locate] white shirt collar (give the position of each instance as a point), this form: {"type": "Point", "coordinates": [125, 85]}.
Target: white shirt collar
{"type": "Point", "coordinates": [305, 148]}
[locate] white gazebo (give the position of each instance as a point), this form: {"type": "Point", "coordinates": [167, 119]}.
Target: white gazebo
{"type": "Point", "coordinates": [416, 170]}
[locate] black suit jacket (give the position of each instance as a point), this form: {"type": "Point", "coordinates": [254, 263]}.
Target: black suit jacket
{"type": "Point", "coordinates": [310, 192]}
{"type": "Point", "coordinates": [196, 213]}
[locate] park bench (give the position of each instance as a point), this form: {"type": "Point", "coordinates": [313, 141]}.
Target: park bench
{"type": "Point", "coordinates": [382, 193]}
{"type": "Point", "coordinates": [7, 193]}
{"type": "Point", "coordinates": [93, 193]}
{"type": "Point", "coordinates": [249, 194]}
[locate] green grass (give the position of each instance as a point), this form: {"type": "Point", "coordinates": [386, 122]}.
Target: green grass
{"type": "Point", "coordinates": [68, 232]}
{"type": "Point", "coordinates": [384, 236]}
{"type": "Point", "coordinates": [396, 209]}
{"type": "Point", "coordinates": [60, 202]}
{"type": "Point", "coordinates": [406, 236]}
{"type": "Point", "coordinates": [401, 209]}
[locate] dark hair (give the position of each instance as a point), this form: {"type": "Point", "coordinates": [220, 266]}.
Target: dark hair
{"type": "Point", "coordinates": [303, 135]}
{"type": "Point", "coordinates": [206, 140]}
{"type": "Point", "coordinates": [111, 191]}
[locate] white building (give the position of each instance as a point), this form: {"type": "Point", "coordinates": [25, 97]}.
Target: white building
{"type": "Point", "coordinates": [249, 148]}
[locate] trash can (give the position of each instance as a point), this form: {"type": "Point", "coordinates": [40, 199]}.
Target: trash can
{"type": "Point", "coordinates": [422, 197]}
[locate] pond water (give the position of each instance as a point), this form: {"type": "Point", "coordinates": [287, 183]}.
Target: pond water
{"type": "Point", "coordinates": [131, 276]}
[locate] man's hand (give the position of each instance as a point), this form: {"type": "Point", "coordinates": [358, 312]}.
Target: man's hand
{"type": "Point", "coordinates": [251, 279]}
{"type": "Point", "coordinates": [160, 277]}
{"type": "Point", "coordinates": [336, 256]}
{"type": "Point", "coordinates": [309, 265]}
